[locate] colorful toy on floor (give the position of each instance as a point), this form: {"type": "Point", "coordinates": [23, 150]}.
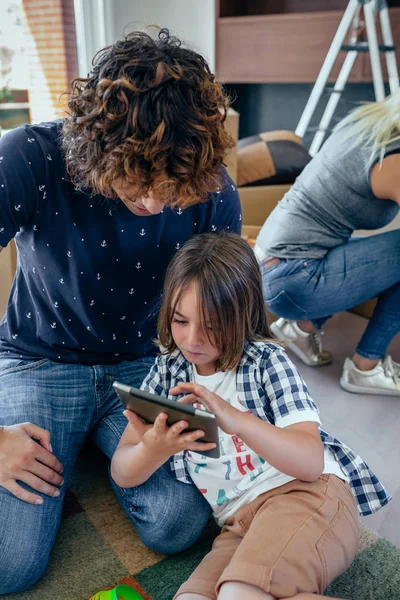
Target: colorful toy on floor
{"type": "Point", "coordinates": [120, 592]}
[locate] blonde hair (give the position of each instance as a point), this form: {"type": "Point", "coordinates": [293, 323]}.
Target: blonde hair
{"type": "Point", "coordinates": [375, 125]}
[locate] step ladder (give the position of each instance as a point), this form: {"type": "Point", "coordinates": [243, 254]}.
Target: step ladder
{"type": "Point", "coordinates": [352, 20]}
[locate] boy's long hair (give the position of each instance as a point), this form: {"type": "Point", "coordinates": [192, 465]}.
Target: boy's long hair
{"type": "Point", "coordinates": [375, 125]}
{"type": "Point", "coordinates": [150, 115]}
{"type": "Point", "coordinates": [228, 281]}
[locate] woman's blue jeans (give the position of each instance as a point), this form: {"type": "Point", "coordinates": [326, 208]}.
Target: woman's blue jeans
{"type": "Point", "coordinates": [72, 401]}
{"type": "Point", "coordinates": [315, 289]}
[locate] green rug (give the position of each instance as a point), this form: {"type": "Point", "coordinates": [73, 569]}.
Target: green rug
{"type": "Point", "coordinates": [96, 547]}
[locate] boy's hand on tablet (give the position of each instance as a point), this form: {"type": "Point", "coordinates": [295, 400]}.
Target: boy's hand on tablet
{"type": "Point", "coordinates": [228, 417]}
{"type": "Point", "coordinates": [160, 439]}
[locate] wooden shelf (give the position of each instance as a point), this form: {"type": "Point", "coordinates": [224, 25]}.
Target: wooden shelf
{"type": "Point", "coordinates": [285, 47]}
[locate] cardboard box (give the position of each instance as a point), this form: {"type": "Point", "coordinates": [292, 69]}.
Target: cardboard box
{"type": "Point", "coordinates": [8, 261]}
{"type": "Point", "coordinates": [232, 127]}
{"type": "Point", "coordinates": [257, 204]}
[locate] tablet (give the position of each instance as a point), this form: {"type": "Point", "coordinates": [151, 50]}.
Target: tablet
{"type": "Point", "coordinates": [149, 406]}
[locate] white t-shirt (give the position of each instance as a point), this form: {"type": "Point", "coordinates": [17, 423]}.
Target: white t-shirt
{"type": "Point", "coordinates": [240, 475]}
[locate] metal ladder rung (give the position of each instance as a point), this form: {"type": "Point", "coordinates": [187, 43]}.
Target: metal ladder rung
{"type": "Point", "coordinates": [363, 47]}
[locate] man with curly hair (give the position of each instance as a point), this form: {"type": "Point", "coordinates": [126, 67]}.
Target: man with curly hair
{"type": "Point", "coordinates": [98, 203]}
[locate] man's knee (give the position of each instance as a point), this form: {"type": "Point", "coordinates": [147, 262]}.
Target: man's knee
{"type": "Point", "coordinates": [172, 535]}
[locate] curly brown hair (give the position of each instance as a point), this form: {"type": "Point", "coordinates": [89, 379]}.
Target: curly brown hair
{"type": "Point", "coordinates": [150, 115]}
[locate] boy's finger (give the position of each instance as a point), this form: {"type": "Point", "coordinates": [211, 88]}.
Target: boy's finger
{"type": "Point", "coordinates": [188, 399]}
{"type": "Point", "coordinates": [192, 436]}
{"type": "Point", "coordinates": [182, 385]}
{"type": "Point", "coordinates": [160, 422]}
{"type": "Point", "coordinates": [177, 428]}
{"type": "Point", "coordinates": [200, 446]}
{"type": "Point", "coordinates": [133, 418]}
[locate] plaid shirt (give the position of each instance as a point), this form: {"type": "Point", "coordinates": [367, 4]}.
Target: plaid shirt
{"type": "Point", "coordinates": [270, 386]}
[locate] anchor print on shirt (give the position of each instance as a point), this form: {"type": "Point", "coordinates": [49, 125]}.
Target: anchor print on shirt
{"type": "Point", "coordinates": [53, 325]}
{"type": "Point", "coordinates": [103, 244]}
{"type": "Point", "coordinates": [29, 315]}
{"type": "Point", "coordinates": [41, 188]}
{"type": "Point", "coordinates": [55, 304]}
{"type": "Point", "coordinates": [91, 303]}
{"type": "Point", "coordinates": [131, 291]}
{"type": "Point", "coordinates": [114, 337]}
{"type": "Point", "coordinates": [98, 276]}
{"type": "Point", "coordinates": [142, 232]}
{"type": "Point", "coordinates": [1, 159]}
{"type": "Point", "coordinates": [179, 211]}
{"type": "Point", "coordinates": [1, 229]}
{"type": "Point", "coordinates": [61, 280]}
{"type": "Point", "coordinates": [49, 157]}
{"type": "Point", "coordinates": [177, 246]}
{"type": "Point", "coordinates": [139, 334]}
{"type": "Point", "coordinates": [213, 228]}
{"type": "Point", "coordinates": [14, 336]}
{"type": "Point", "coordinates": [138, 265]}
{"type": "Point", "coordinates": [17, 207]}
{"type": "Point", "coordinates": [69, 254]}
{"type": "Point", "coordinates": [34, 228]}
{"type": "Point", "coordinates": [31, 140]}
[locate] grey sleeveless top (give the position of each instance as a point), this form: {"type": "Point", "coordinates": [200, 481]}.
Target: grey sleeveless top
{"type": "Point", "coordinates": [329, 200]}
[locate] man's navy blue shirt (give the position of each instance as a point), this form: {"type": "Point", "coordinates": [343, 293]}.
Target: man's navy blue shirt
{"type": "Point", "coordinates": [90, 273]}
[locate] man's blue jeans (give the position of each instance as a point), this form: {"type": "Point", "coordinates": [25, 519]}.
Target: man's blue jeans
{"type": "Point", "coordinates": [72, 401]}
{"type": "Point", "coordinates": [315, 289]}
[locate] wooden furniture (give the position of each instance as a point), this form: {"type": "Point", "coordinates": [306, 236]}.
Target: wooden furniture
{"type": "Point", "coordinates": [284, 41]}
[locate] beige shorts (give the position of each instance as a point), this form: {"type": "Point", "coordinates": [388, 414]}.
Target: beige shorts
{"type": "Point", "coordinates": [296, 538]}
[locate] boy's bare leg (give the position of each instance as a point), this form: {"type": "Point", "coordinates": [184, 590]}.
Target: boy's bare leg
{"type": "Point", "coordinates": [238, 591]}
{"type": "Point", "coordinates": [191, 597]}
{"type": "Point", "coordinates": [235, 590]}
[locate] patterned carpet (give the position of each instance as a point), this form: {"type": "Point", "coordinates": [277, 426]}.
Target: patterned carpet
{"type": "Point", "coordinates": [97, 547]}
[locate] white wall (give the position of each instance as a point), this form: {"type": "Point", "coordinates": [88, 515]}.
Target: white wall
{"type": "Point", "coordinates": [193, 21]}
{"type": "Point", "coordinates": [100, 22]}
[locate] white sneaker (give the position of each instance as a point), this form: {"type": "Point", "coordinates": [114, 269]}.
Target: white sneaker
{"type": "Point", "coordinates": [307, 346]}
{"type": "Point", "coordinates": [384, 379]}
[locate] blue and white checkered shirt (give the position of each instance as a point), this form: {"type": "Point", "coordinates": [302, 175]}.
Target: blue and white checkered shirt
{"type": "Point", "coordinates": [270, 386]}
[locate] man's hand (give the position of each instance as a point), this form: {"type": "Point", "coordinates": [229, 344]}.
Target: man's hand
{"type": "Point", "coordinates": [228, 416]}
{"type": "Point", "coordinates": [159, 440]}
{"type": "Point", "coordinates": [23, 459]}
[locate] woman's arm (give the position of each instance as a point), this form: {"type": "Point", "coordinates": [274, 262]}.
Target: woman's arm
{"type": "Point", "coordinates": [385, 178]}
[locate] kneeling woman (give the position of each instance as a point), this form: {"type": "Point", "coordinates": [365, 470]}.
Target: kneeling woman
{"type": "Point", "coordinates": [312, 267]}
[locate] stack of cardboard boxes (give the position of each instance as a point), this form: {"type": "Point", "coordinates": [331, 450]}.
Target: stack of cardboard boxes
{"type": "Point", "coordinates": [257, 201]}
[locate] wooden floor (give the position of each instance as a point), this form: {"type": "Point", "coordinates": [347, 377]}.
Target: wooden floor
{"type": "Point", "coordinates": [369, 424]}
